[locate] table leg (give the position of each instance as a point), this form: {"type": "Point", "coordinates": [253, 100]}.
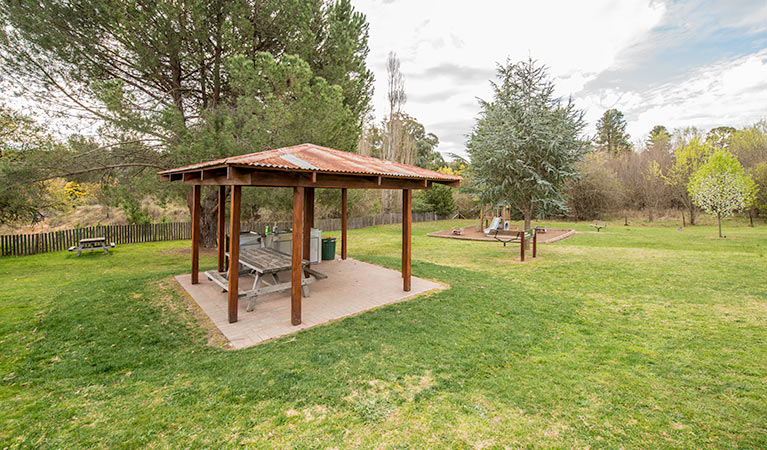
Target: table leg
{"type": "Point", "coordinates": [305, 287]}
{"type": "Point", "coordinates": [252, 300]}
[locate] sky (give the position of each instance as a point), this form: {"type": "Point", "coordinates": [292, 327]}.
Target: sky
{"type": "Point", "coordinates": [673, 63]}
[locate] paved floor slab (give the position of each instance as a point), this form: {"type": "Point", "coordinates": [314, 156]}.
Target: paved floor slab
{"type": "Point", "coordinates": [352, 287]}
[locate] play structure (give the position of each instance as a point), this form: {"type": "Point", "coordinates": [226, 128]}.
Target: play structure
{"type": "Point", "coordinates": [495, 226]}
{"type": "Point", "coordinates": [494, 218]}
{"type": "Point", "coordinates": [499, 228]}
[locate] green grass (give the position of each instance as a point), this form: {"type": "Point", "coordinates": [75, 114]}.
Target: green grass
{"type": "Point", "coordinates": [638, 337]}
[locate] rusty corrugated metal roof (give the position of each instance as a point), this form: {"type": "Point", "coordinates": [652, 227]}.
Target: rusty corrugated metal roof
{"type": "Point", "coordinates": [315, 158]}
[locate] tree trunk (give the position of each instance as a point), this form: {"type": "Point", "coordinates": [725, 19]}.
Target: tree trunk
{"type": "Point", "coordinates": [719, 220]}
{"type": "Point", "coordinates": [683, 224]}
{"type": "Point", "coordinates": [651, 216]}
{"type": "Point", "coordinates": [692, 214]}
{"type": "Point", "coordinates": [208, 217]}
{"type": "Point", "coordinates": [751, 218]}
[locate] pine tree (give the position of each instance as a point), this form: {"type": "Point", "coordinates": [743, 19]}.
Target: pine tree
{"type": "Point", "coordinates": [611, 132]}
{"type": "Point", "coordinates": [526, 142]}
{"type": "Point", "coordinates": [165, 83]}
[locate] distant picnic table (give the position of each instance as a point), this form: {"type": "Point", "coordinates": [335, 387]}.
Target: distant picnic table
{"type": "Point", "coordinates": [97, 243]}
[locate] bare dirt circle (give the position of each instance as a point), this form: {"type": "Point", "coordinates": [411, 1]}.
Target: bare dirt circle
{"type": "Point", "coordinates": [473, 233]}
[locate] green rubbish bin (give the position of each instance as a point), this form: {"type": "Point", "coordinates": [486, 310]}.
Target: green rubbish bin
{"type": "Point", "coordinates": [328, 248]}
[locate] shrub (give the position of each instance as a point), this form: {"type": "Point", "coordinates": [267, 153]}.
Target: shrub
{"type": "Point", "coordinates": [596, 193]}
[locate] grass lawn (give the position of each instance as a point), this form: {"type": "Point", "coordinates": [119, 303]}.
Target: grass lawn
{"type": "Point", "coordinates": [635, 337]}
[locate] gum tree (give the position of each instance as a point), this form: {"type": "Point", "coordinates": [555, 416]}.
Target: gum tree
{"type": "Point", "coordinates": [721, 186]}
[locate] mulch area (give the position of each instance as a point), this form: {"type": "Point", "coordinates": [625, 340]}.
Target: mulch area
{"type": "Point", "coordinates": [474, 234]}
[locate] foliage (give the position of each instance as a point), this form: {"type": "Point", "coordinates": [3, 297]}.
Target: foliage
{"type": "Point", "coordinates": [23, 197]}
{"type": "Point", "coordinates": [526, 143]}
{"type": "Point", "coordinates": [136, 213]}
{"type": "Point", "coordinates": [597, 191]}
{"type": "Point", "coordinates": [416, 146]}
{"type": "Point", "coordinates": [658, 132]}
{"type": "Point", "coordinates": [749, 145]}
{"type": "Point", "coordinates": [719, 137]}
{"type": "Point", "coordinates": [611, 132]}
{"type": "Point", "coordinates": [759, 174]}
{"type": "Point", "coordinates": [425, 144]}
{"type": "Point", "coordinates": [687, 160]}
{"type": "Point", "coordinates": [277, 104]}
{"type": "Point", "coordinates": [623, 339]}
{"type": "Point", "coordinates": [176, 83]}
{"type": "Point", "coordinates": [75, 191]}
{"type": "Point", "coordinates": [721, 186]}
{"type": "Point", "coordinates": [438, 199]}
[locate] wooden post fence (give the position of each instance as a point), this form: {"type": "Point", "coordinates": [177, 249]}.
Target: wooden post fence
{"type": "Point", "coordinates": [61, 240]}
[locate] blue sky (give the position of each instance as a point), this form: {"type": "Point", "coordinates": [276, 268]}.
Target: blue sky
{"type": "Point", "coordinates": [685, 63]}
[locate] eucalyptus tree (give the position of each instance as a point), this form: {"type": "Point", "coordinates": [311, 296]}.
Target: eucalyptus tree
{"type": "Point", "coordinates": [162, 80]}
{"type": "Point", "coordinates": [526, 142]}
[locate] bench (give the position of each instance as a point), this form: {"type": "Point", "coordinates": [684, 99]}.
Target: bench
{"type": "Point", "coordinates": [97, 243]}
{"type": "Point", "coordinates": [265, 264]}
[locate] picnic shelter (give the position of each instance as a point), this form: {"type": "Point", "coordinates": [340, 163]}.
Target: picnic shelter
{"type": "Point", "coordinates": [303, 168]}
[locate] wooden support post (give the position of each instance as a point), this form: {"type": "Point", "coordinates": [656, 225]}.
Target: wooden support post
{"type": "Point", "coordinates": [308, 221]}
{"type": "Point", "coordinates": [234, 253]}
{"type": "Point", "coordinates": [344, 201]}
{"type": "Point", "coordinates": [221, 228]}
{"type": "Point", "coordinates": [407, 225]}
{"type": "Point", "coordinates": [522, 247]}
{"type": "Point", "coordinates": [402, 256]}
{"type": "Point", "coordinates": [195, 233]}
{"type": "Point", "coordinates": [295, 264]}
{"type": "Point", "coordinates": [535, 242]}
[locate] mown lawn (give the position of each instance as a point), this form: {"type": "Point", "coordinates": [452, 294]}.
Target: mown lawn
{"type": "Point", "coordinates": [636, 337]}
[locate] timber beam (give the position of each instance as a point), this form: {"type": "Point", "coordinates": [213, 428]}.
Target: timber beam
{"type": "Point", "coordinates": [243, 176]}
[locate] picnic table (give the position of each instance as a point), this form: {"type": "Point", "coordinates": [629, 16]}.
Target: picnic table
{"type": "Point", "coordinates": [266, 263]}
{"type": "Point", "coordinates": [97, 243]}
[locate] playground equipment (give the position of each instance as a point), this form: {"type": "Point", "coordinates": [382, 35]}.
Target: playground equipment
{"type": "Point", "coordinates": [598, 226]}
{"type": "Point", "coordinates": [521, 237]}
{"type": "Point", "coordinates": [494, 218]}
{"type": "Point", "coordinates": [494, 226]}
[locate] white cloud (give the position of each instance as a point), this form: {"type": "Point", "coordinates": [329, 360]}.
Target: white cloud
{"type": "Point", "coordinates": [732, 92]}
{"type": "Point", "coordinates": [449, 58]}
{"type": "Point", "coordinates": [684, 63]}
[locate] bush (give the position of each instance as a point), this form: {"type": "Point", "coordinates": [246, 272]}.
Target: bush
{"type": "Point", "coordinates": [438, 199]}
{"type": "Point", "coordinates": [596, 193]}
{"type": "Point", "coordinates": [135, 213]}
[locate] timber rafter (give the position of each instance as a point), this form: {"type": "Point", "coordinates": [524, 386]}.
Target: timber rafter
{"type": "Point", "coordinates": [248, 176]}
